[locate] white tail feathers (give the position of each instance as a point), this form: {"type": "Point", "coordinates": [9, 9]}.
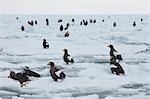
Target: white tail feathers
{"type": "Point", "coordinates": [58, 73]}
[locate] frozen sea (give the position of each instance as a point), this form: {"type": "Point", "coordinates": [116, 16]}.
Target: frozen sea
{"type": "Point", "coordinates": [90, 76]}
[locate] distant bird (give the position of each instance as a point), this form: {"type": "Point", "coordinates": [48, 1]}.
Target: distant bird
{"type": "Point", "coordinates": [72, 20]}
{"type": "Point", "coordinates": [67, 26]}
{"type": "Point", "coordinates": [66, 34]}
{"type": "Point", "coordinates": [66, 58]}
{"type": "Point", "coordinates": [81, 23]}
{"type": "Point", "coordinates": [17, 18]}
{"type": "Point", "coordinates": [22, 28]}
{"type": "Point", "coordinates": [56, 73]}
{"type": "Point", "coordinates": [141, 19]}
{"type": "Point", "coordinates": [94, 21]}
{"type": "Point", "coordinates": [60, 20]}
{"type": "Point", "coordinates": [119, 70]}
{"type": "Point", "coordinates": [45, 44]}
{"type": "Point", "coordinates": [31, 23]}
{"type": "Point", "coordinates": [47, 21]}
{"type": "Point", "coordinates": [134, 24]}
{"type": "Point", "coordinates": [90, 20]}
{"type": "Point", "coordinates": [35, 21]}
{"type": "Point", "coordinates": [103, 20]}
{"type": "Point", "coordinates": [113, 57]}
{"type": "Point", "coordinates": [114, 24]}
{"type": "Point", "coordinates": [85, 22]}
{"type": "Point", "coordinates": [29, 72]}
{"type": "Point", "coordinates": [61, 28]}
{"type": "Point", "coordinates": [22, 78]}
{"type": "Point", "coordinates": [111, 53]}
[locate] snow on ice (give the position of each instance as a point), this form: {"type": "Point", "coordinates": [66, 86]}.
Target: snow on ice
{"type": "Point", "coordinates": [90, 76]}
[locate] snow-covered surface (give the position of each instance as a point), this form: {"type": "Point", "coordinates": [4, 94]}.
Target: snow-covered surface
{"type": "Point", "coordinates": [90, 76]}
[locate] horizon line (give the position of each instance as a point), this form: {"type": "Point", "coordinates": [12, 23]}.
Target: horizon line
{"type": "Point", "coordinates": [83, 7]}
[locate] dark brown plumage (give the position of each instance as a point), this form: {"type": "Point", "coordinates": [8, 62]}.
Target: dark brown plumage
{"type": "Point", "coordinates": [61, 28]}
{"type": "Point", "coordinates": [60, 20]}
{"type": "Point", "coordinates": [114, 25]}
{"type": "Point", "coordinates": [45, 44]}
{"type": "Point", "coordinates": [85, 22]}
{"type": "Point", "coordinates": [47, 21]}
{"type": "Point", "coordinates": [29, 72]}
{"type": "Point", "coordinates": [56, 73]}
{"type": "Point", "coordinates": [22, 28]}
{"type": "Point", "coordinates": [119, 70]}
{"type": "Point", "coordinates": [94, 21]}
{"type": "Point", "coordinates": [67, 25]}
{"type": "Point", "coordinates": [72, 20]}
{"type": "Point", "coordinates": [19, 76]}
{"type": "Point", "coordinates": [90, 20]}
{"type": "Point", "coordinates": [31, 23]}
{"type": "Point", "coordinates": [35, 21]}
{"type": "Point", "coordinates": [65, 57]}
{"type": "Point", "coordinates": [66, 34]}
{"type": "Point", "coordinates": [134, 24]}
{"type": "Point", "coordinates": [113, 58]}
{"type": "Point", "coordinates": [81, 23]}
{"type": "Point", "coordinates": [111, 53]}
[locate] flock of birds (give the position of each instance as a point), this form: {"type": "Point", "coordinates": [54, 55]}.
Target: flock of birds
{"type": "Point", "coordinates": [56, 73]}
{"type": "Point", "coordinates": [62, 27]}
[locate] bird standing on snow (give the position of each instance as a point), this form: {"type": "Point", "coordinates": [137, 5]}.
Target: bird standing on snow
{"type": "Point", "coordinates": [56, 73]}
{"type": "Point", "coordinates": [22, 78]}
{"type": "Point", "coordinates": [47, 21]}
{"type": "Point", "coordinates": [29, 72]}
{"type": "Point", "coordinates": [90, 20]}
{"type": "Point", "coordinates": [81, 23]}
{"type": "Point", "coordinates": [85, 22]}
{"type": "Point", "coordinates": [67, 25]}
{"type": "Point", "coordinates": [45, 44]}
{"type": "Point", "coordinates": [66, 34]}
{"type": "Point", "coordinates": [119, 69]}
{"type": "Point", "coordinates": [113, 57]}
{"type": "Point", "coordinates": [35, 21]}
{"type": "Point", "coordinates": [134, 24]}
{"type": "Point", "coordinates": [94, 21]}
{"type": "Point", "coordinates": [60, 20]}
{"type": "Point", "coordinates": [111, 53]}
{"type": "Point", "coordinates": [22, 28]}
{"type": "Point", "coordinates": [61, 28]}
{"type": "Point", "coordinates": [103, 20]}
{"type": "Point", "coordinates": [31, 23]}
{"type": "Point", "coordinates": [72, 20]}
{"type": "Point", "coordinates": [65, 57]}
{"type": "Point", "coordinates": [114, 25]}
